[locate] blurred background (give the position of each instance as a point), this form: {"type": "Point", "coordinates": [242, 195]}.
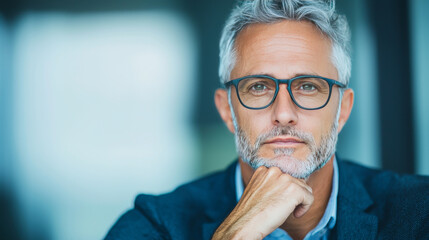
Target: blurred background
{"type": "Point", "coordinates": [102, 100]}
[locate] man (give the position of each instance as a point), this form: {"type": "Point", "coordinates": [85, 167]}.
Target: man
{"type": "Point", "coordinates": [285, 66]}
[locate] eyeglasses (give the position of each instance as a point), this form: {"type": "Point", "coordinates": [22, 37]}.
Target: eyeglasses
{"type": "Point", "coordinates": [307, 91]}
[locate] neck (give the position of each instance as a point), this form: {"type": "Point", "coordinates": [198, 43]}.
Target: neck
{"type": "Point", "coordinates": [321, 183]}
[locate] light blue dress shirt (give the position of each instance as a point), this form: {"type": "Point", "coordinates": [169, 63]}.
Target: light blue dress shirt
{"type": "Point", "coordinates": [321, 231]}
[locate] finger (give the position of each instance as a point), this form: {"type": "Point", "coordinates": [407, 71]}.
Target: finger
{"type": "Point", "coordinates": [259, 173]}
{"type": "Point", "coordinates": [305, 205]}
{"type": "Point", "coordinates": [303, 184]}
{"type": "Point", "coordinates": [299, 182]}
{"type": "Point", "coordinates": [264, 175]}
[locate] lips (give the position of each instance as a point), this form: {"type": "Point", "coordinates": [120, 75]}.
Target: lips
{"type": "Point", "coordinates": [284, 141]}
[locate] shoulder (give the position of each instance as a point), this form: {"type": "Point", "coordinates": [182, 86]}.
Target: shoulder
{"type": "Point", "coordinates": [134, 225]}
{"type": "Point", "coordinates": [191, 198]}
{"type": "Point", "coordinates": [382, 182]}
{"type": "Point", "coordinates": [179, 213]}
{"type": "Point", "coordinates": [400, 201]}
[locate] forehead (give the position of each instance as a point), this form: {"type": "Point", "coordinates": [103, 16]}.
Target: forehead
{"type": "Point", "coordinates": [284, 48]}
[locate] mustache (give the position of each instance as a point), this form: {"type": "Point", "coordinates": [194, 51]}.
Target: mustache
{"type": "Point", "coordinates": [276, 131]}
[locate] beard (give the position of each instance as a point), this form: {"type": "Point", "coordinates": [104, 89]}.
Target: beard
{"type": "Point", "coordinates": [283, 159]}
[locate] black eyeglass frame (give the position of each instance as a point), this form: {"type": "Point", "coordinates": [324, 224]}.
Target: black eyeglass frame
{"type": "Point", "coordinates": [331, 82]}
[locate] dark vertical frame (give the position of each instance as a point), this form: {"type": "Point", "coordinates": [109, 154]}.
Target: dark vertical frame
{"type": "Point", "coordinates": [208, 18]}
{"type": "Point", "coordinates": [391, 25]}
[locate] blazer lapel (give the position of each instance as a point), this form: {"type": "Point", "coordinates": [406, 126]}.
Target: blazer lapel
{"type": "Point", "coordinates": [353, 221]}
{"type": "Point", "coordinates": [221, 205]}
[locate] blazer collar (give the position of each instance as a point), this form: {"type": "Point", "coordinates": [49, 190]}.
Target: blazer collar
{"type": "Point", "coordinates": [353, 219]}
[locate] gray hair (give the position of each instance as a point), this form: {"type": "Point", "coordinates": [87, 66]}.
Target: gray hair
{"type": "Point", "coordinates": [321, 13]}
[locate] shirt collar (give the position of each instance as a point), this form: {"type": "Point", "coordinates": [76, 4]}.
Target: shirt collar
{"type": "Point", "coordinates": [329, 217]}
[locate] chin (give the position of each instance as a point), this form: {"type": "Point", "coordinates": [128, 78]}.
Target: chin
{"type": "Point", "coordinates": [298, 168]}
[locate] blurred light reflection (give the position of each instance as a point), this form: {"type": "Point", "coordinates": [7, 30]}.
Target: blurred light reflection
{"type": "Point", "coordinates": [101, 113]}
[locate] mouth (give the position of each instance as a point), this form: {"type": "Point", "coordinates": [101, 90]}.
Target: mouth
{"type": "Point", "coordinates": [285, 142]}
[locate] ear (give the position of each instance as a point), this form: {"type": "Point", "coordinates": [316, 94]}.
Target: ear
{"type": "Point", "coordinates": [346, 108]}
{"type": "Point", "coordinates": [222, 105]}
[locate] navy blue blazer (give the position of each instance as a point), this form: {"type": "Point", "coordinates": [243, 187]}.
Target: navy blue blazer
{"type": "Point", "coordinates": [372, 204]}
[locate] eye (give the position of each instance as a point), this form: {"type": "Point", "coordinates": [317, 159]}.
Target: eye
{"type": "Point", "coordinates": [308, 87]}
{"type": "Point", "coordinates": [258, 87]}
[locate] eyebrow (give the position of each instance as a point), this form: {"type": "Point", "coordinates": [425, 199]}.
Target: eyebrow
{"type": "Point", "coordinates": [296, 75]}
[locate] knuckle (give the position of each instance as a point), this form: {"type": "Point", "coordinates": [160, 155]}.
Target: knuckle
{"type": "Point", "coordinates": [292, 187]}
{"type": "Point", "coordinates": [273, 171]}
{"type": "Point", "coordinates": [286, 178]}
{"type": "Point", "coordinates": [261, 169]}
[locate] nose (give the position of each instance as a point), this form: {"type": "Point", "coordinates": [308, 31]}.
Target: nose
{"type": "Point", "coordinates": [284, 109]}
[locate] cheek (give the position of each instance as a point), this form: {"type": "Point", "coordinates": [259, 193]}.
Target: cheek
{"type": "Point", "coordinates": [252, 122]}
{"type": "Point", "coordinates": [325, 125]}
{"type": "Point", "coordinates": [318, 123]}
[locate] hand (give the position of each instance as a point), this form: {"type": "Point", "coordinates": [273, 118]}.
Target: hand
{"type": "Point", "coordinates": [268, 200]}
